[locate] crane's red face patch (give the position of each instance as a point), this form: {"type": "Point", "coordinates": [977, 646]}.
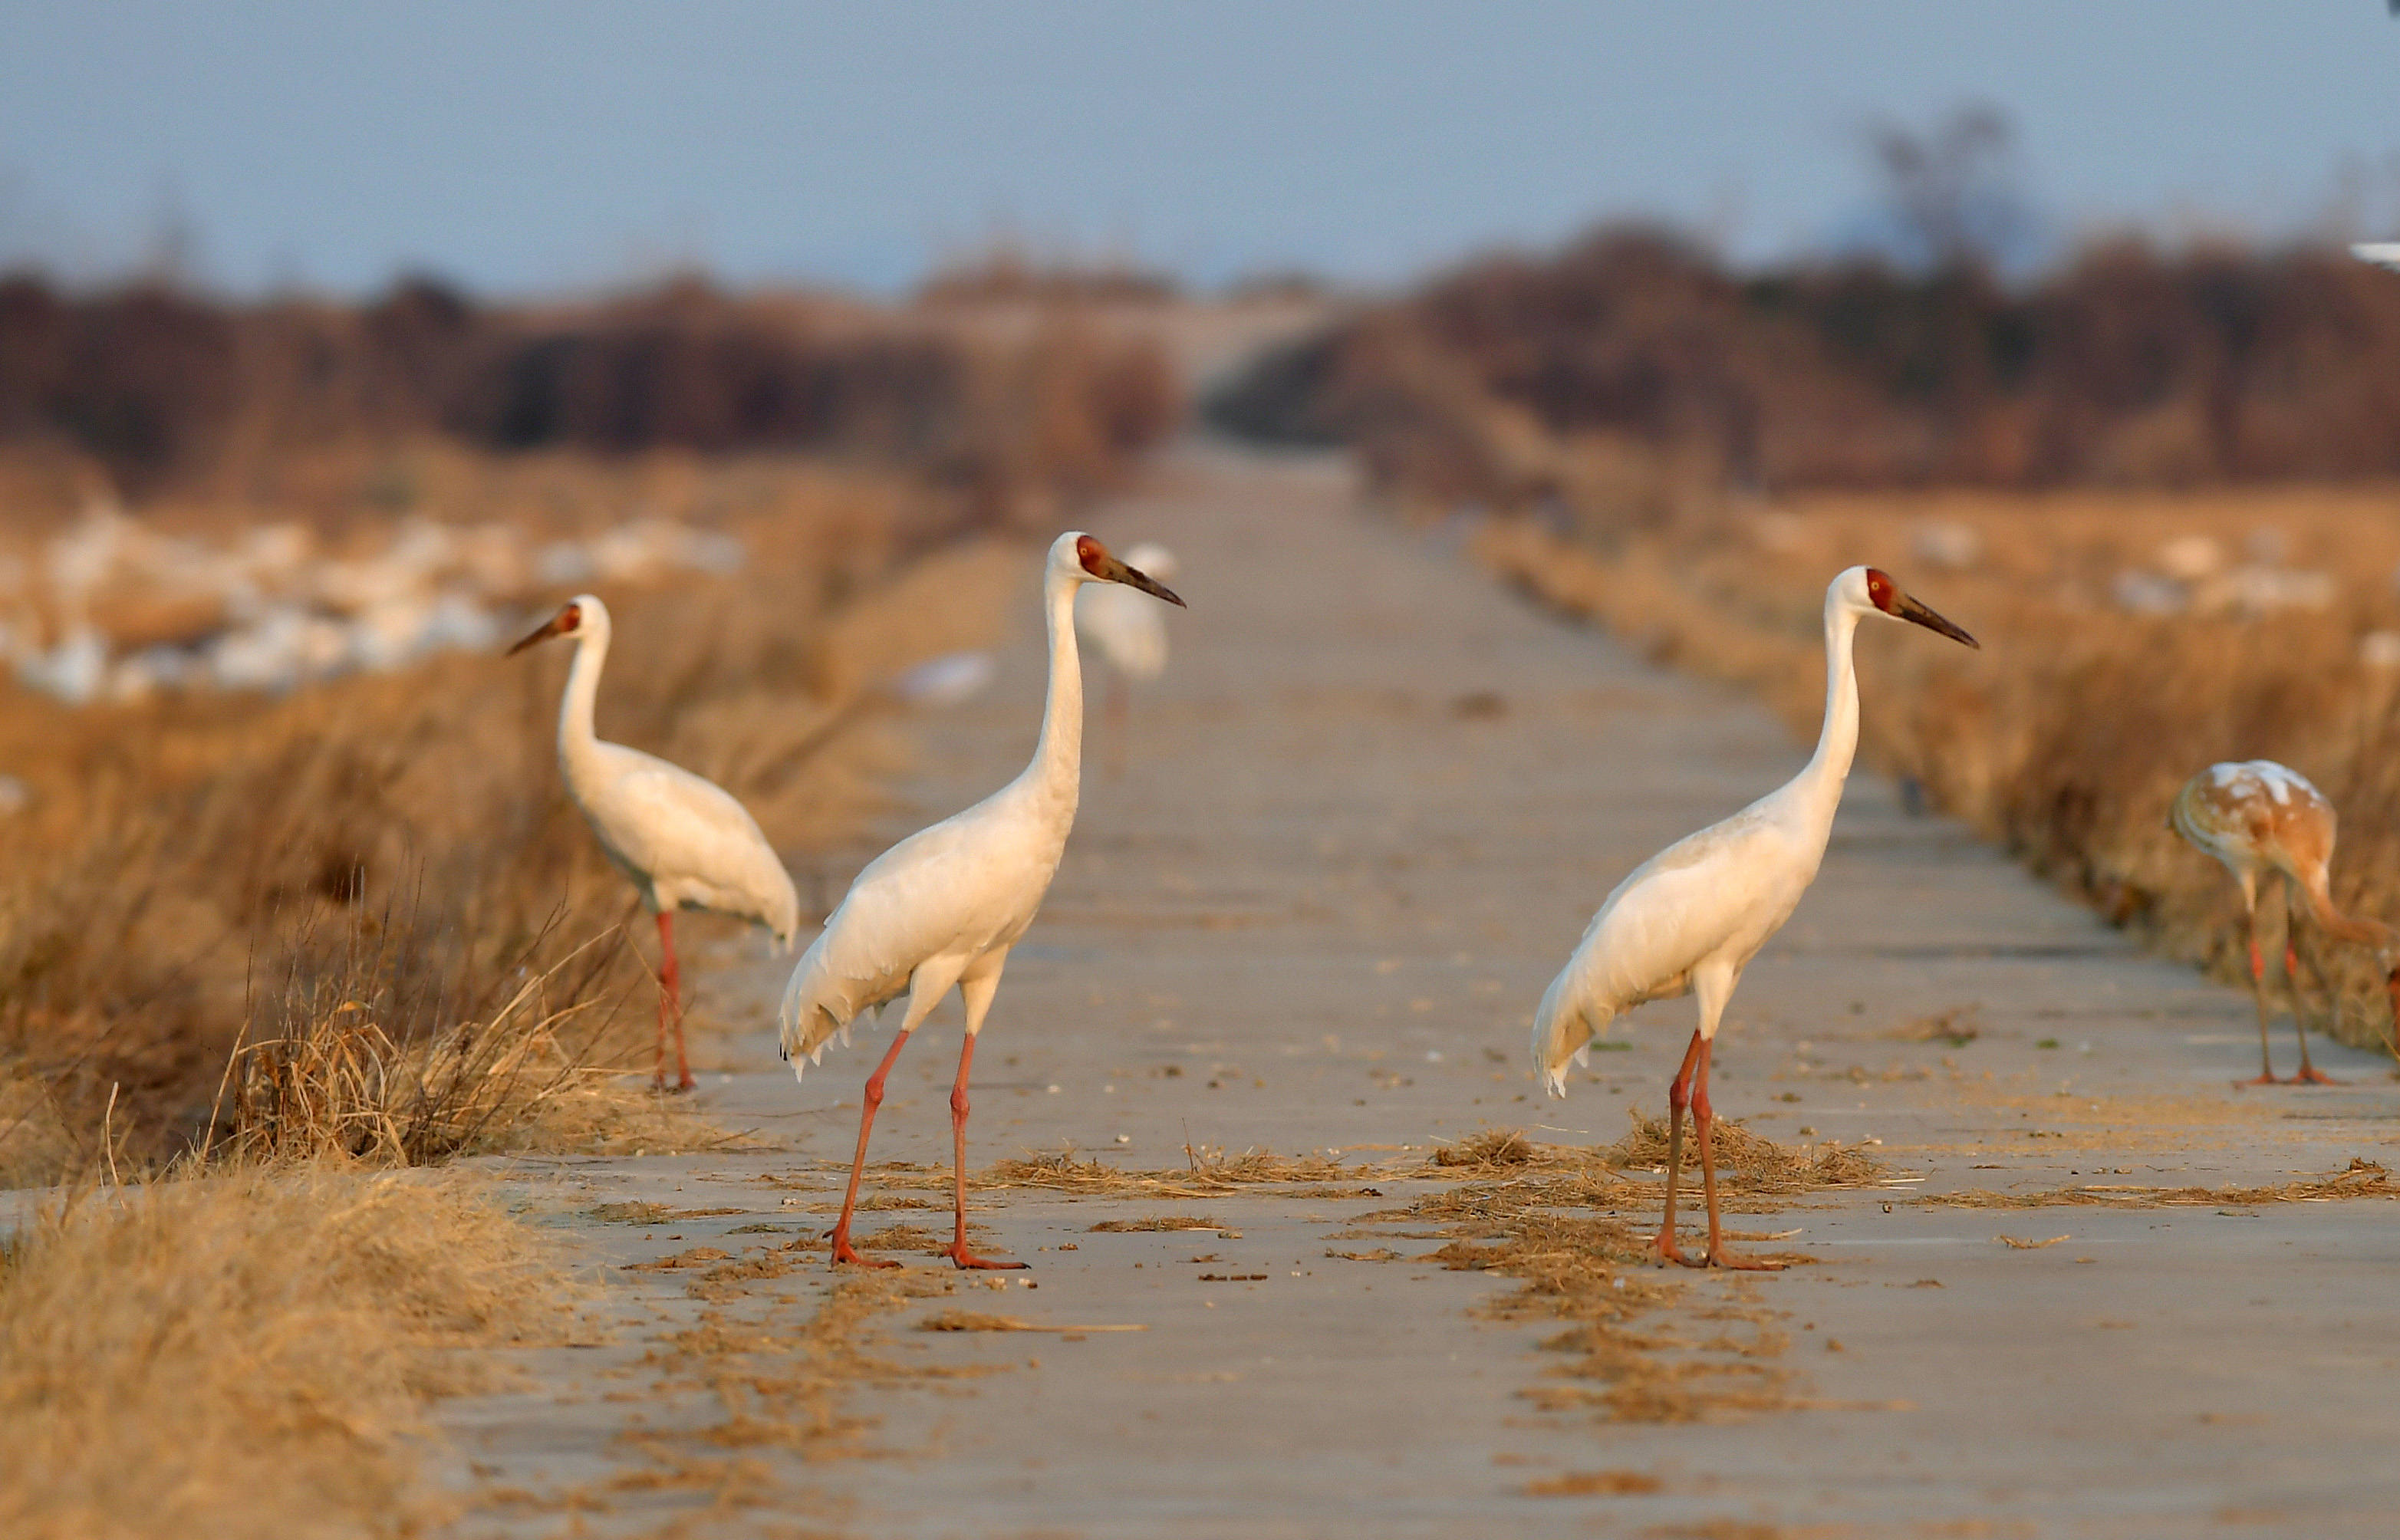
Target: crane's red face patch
{"type": "Point", "coordinates": [1881, 591]}
{"type": "Point", "coordinates": [569, 617]}
{"type": "Point", "coordinates": [1094, 555]}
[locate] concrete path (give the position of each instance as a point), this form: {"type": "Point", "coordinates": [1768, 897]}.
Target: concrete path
{"type": "Point", "coordinates": [1361, 823]}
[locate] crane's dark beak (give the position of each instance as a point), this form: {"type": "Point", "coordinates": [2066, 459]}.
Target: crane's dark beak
{"type": "Point", "coordinates": [554, 626]}
{"type": "Point", "coordinates": [1909, 609]}
{"type": "Point", "coordinates": [1115, 571]}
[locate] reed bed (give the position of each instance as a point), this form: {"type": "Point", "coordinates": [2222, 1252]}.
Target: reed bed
{"type": "Point", "coordinates": [369, 894]}
{"type": "Point", "coordinates": [249, 1352]}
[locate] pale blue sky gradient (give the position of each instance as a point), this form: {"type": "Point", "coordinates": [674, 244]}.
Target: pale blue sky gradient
{"type": "Point", "coordinates": [522, 146]}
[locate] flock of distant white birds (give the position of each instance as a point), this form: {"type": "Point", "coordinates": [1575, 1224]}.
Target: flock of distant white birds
{"type": "Point", "coordinates": [269, 610]}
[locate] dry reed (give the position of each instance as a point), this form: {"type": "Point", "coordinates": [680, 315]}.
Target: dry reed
{"type": "Point", "coordinates": [392, 854]}
{"type": "Point", "coordinates": [247, 1353]}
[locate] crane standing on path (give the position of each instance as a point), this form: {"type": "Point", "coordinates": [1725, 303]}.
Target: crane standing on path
{"type": "Point", "coordinates": [2256, 817]}
{"type": "Point", "coordinates": [685, 842]}
{"type": "Point", "coordinates": [1690, 918]}
{"type": "Point", "coordinates": [943, 905]}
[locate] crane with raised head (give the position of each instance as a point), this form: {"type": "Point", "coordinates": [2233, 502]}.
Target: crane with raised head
{"type": "Point", "coordinates": [683, 840]}
{"type": "Point", "coordinates": [1689, 920]}
{"type": "Point", "coordinates": [942, 908]}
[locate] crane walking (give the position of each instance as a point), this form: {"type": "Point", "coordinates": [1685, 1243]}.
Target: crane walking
{"type": "Point", "coordinates": [2258, 817]}
{"type": "Point", "coordinates": [1690, 918]}
{"type": "Point", "coordinates": [943, 907]}
{"type": "Point", "coordinates": [684, 842]}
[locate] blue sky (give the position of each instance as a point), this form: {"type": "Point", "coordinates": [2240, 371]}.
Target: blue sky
{"type": "Point", "coordinates": [521, 145]}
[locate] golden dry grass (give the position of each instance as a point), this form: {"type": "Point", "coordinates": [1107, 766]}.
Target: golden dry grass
{"type": "Point", "coordinates": [2064, 739]}
{"type": "Point", "coordinates": [247, 1352]}
{"type": "Point", "coordinates": [369, 896]}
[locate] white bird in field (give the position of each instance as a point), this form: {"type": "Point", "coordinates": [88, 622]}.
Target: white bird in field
{"type": "Point", "coordinates": [2258, 817]}
{"type": "Point", "coordinates": [943, 905]}
{"type": "Point", "coordinates": [685, 842]}
{"type": "Point", "coordinates": [2383, 253]}
{"type": "Point", "coordinates": [1130, 636]}
{"type": "Point", "coordinates": [1690, 918]}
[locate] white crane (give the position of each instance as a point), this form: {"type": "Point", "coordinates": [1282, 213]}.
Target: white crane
{"type": "Point", "coordinates": [943, 905]}
{"type": "Point", "coordinates": [1130, 636]}
{"type": "Point", "coordinates": [685, 842]}
{"type": "Point", "coordinates": [2383, 253]}
{"type": "Point", "coordinates": [1690, 918]}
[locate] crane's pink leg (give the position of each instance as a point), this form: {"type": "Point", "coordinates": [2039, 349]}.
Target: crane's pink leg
{"type": "Point", "coordinates": [1679, 1096]}
{"type": "Point", "coordinates": [670, 1008]}
{"type": "Point", "coordinates": [959, 1252]}
{"type": "Point", "coordinates": [2310, 1074]}
{"type": "Point", "coordinates": [2259, 993]}
{"type": "Point", "coordinates": [1704, 1119]}
{"type": "Point", "coordinates": [868, 1101]}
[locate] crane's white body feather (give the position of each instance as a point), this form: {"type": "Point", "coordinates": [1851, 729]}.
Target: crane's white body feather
{"type": "Point", "coordinates": [943, 905]}
{"type": "Point", "coordinates": [1690, 918]}
{"type": "Point", "coordinates": [683, 841]}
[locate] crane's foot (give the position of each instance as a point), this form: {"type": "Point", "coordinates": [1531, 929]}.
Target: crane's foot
{"type": "Point", "coordinates": [2310, 1075]}
{"type": "Point", "coordinates": [2265, 1078]}
{"type": "Point", "coordinates": [969, 1260]}
{"type": "Point", "coordinates": [680, 1089]}
{"type": "Point", "coordinates": [844, 1253]}
{"type": "Point", "coordinates": [1720, 1256]}
{"type": "Point", "coordinates": [1663, 1247]}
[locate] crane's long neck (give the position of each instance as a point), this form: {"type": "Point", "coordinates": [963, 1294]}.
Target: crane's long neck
{"type": "Point", "coordinates": [578, 743]}
{"type": "Point", "coordinates": [1819, 784]}
{"type": "Point", "coordinates": [1055, 775]}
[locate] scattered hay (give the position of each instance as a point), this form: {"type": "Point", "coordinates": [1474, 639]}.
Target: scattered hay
{"type": "Point", "coordinates": [1746, 1160]}
{"type": "Point", "coordinates": [2018, 1243]}
{"type": "Point", "coordinates": [1168, 1221]}
{"type": "Point", "coordinates": [907, 1237]}
{"type": "Point", "coordinates": [256, 1346]}
{"type": "Point", "coordinates": [2363, 1178]}
{"type": "Point", "coordinates": [1491, 1150]}
{"type": "Point", "coordinates": [629, 1213]}
{"type": "Point", "coordinates": [1595, 1483]}
{"type": "Point", "coordinates": [970, 1320]}
{"type": "Point", "coordinates": [1212, 1173]}
{"type": "Point", "coordinates": [1595, 1273]}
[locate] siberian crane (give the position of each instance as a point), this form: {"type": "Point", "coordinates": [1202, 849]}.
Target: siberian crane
{"type": "Point", "coordinates": [684, 842]}
{"type": "Point", "coordinates": [943, 908]}
{"type": "Point", "coordinates": [1689, 920]}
